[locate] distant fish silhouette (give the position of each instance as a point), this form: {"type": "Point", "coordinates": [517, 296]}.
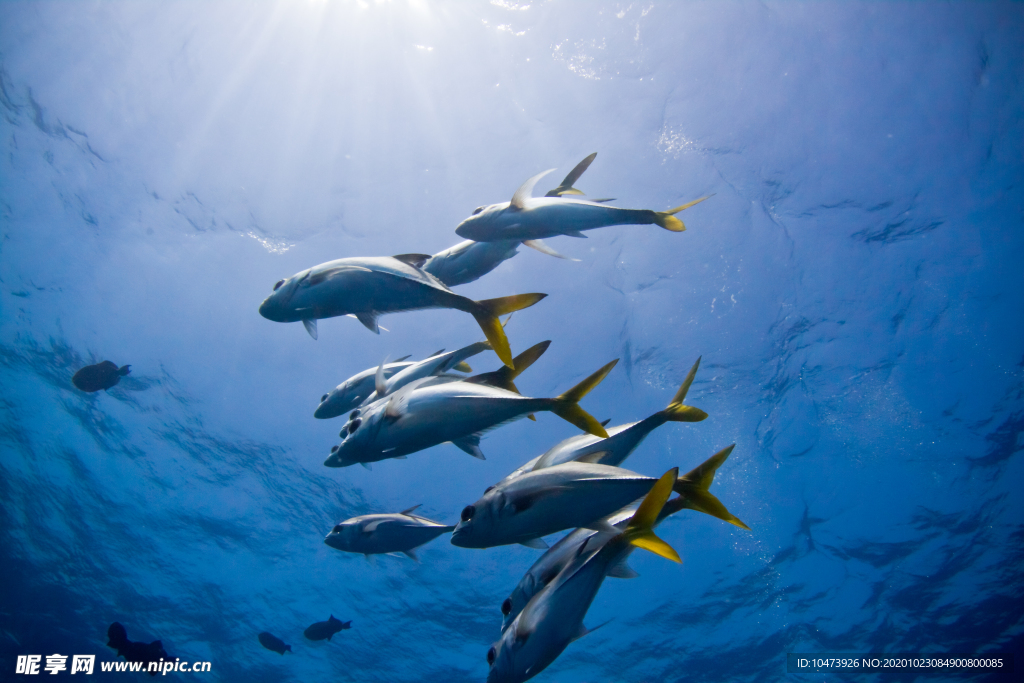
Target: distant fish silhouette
{"type": "Point", "coordinates": [135, 652]}
{"type": "Point", "coordinates": [272, 642]}
{"type": "Point", "coordinates": [100, 376]}
{"type": "Point", "coordinates": [325, 629]}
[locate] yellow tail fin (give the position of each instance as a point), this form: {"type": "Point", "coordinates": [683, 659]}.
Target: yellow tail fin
{"type": "Point", "coordinates": [667, 219]}
{"type": "Point", "coordinates": [567, 406]}
{"type": "Point", "coordinates": [640, 532]}
{"type": "Point", "coordinates": [693, 492]}
{"type": "Point", "coordinates": [486, 313]}
{"type": "Point", "coordinates": [676, 411]}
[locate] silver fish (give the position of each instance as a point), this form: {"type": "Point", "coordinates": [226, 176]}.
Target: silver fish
{"type": "Point", "coordinates": [350, 393]}
{"type": "Point", "coordinates": [468, 261]}
{"type": "Point", "coordinates": [431, 367]}
{"type": "Point", "coordinates": [554, 617]}
{"type": "Point", "coordinates": [531, 218]}
{"type": "Point", "coordinates": [546, 501]}
{"type": "Point", "coordinates": [385, 534]}
{"type": "Point", "coordinates": [422, 414]}
{"type": "Point", "coordinates": [367, 287]}
{"type": "Point", "coordinates": [695, 496]}
{"type": "Point", "coordinates": [622, 440]}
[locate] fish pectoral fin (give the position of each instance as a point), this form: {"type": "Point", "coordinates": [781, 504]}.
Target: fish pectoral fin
{"type": "Point", "coordinates": [372, 526]}
{"type": "Point", "coordinates": [603, 200]}
{"type": "Point", "coordinates": [543, 248]}
{"type": "Point", "coordinates": [379, 383]}
{"type": "Point", "coordinates": [414, 260]}
{"type": "Point", "coordinates": [594, 458]}
{"type": "Point", "coordinates": [535, 543]}
{"type": "Point", "coordinates": [411, 555]}
{"type": "Point", "coordinates": [393, 554]}
{"type": "Point", "coordinates": [369, 321]}
{"type": "Point", "coordinates": [471, 445]}
{"type": "Point", "coordinates": [602, 525]}
{"type": "Point", "coordinates": [584, 630]}
{"type": "Point", "coordinates": [622, 570]}
{"type": "Point", "coordinates": [525, 191]}
{"type": "Point", "coordinates": [366, 465]}
{"type": "Point", "coordinates": [406, 512]}
{"type": "Point", "coordinates": [310, 326]}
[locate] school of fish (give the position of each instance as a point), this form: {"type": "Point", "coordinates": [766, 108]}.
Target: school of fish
{"type": "Point", "coordinates": [404, 407]}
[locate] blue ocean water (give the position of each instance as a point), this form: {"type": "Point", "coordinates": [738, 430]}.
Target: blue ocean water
{"type": "Point", "coordinates": [855, 289]}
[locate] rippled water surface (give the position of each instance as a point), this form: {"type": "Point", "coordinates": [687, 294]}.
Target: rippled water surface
{"type": "Point", "coordinates": [854, 288]}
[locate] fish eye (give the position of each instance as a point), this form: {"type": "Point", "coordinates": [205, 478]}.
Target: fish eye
{"type": "Point", "coordinates": [334, 449]}
{"type": "Point", "coordinates": [477, 210]}
{"type": "Point", "coordinates": [337, 529]}
{"type": "Point", "coordinates": [343, 432]}
{"type": "Point", "coordinates": [323, 398]}
{"type": "Point", "coordinates": [468, 512]}
{"type": "Point", "coordinates": [488, 490]}
{"type": "Point", "coordinates": [279, 283]}
{"type": "Point", "coordinates": [353, 415]}
{"type": "Point", "coordinates": [354, 425]}
{"type": "Point", "coordinates": [491, 655]}
{"type": "Point", "coordinates": [506, 607]}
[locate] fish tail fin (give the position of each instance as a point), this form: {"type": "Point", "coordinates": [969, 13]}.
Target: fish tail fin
{"type": "Point", "coordinates": [486, 313]}
{"type": "Point", "coordinates": [693, 491]}
{"type": "Point", "coordinates": [124, 370]}
{"type": "Point", "coordinates": [503, 377]}
{"type": "Point", "coordinates": [567, 405]}
{"type": "Point", "coordinates": [675, 410]}
{"type": "Point", "coordinates": [640, 530]}
{"type": "Point", "coordinates": [668, 220]}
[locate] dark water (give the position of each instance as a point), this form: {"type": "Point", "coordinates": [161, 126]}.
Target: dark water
{"type": "Point", "coordinates": [854, 287]}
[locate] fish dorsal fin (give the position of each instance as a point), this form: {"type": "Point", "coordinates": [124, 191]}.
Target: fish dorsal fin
{"type": "Point", "coordinates": [621, 569]}
{"type": "Point", "coordinates": [543, 248]}
{"type": "Point", "coordinates": [566, 186]}
{"type": "Point", "coordinates": [462, 366]}
{"type": "Point", "coordinates": [406, 512]}
{"type": "Point", "coordinates": [379, 383]}
{"type": "Point", "coordinates": [525, 191]}
{"type": "Point", "coordinates": [436, 353]}
{"type": "Point", "coordinates": [369, 321]}
{"type": "Point", "coordinates": [471, 445]}
{"type": "Point", "coordinates": [414, 260]}
{"type": "Point", "coordinates": [535, 543]}
{"type": "Point", "coordinates": [310, 326]}
{"type": "Point", "coordinates": [605, 423]}
{"type": "Point", "coordinates": [399, 360]}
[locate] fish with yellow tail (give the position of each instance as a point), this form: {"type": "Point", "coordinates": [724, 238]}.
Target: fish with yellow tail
{"type": "Point", "coordinates": [695, 495]}
{"type": "Point", "coordinates": [368, 287]}
{"type": "Point", "coordinates": [528, 218]}
{"type": "Point", "coordinates": [554, 617]}
{"type": "Point", "coordinates": [426, 413]}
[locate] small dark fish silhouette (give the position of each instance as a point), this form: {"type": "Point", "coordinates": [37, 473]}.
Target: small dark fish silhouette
{"type": "Point", "coordinates": [326, 629]}
{"type": "Point", "coordinates": [135, 652]}
{"type": "Point", "coordinates": [273, 643]}
{"type": "Point", "coordinates": [100, 376]}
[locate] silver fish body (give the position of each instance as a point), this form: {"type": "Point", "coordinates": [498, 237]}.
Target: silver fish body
{"type": "Point", "coordinates": [353, 391]}
{"type": "Point", "coordinates": [468, 261]}
{"type": "Point", "coordinates": [430, 367]}
{"type": "Point", "coordinates": [361, 285]}
{"type": "Point", "coordinates": [385, 533]}
{"type": "Point", "coordinates": [554, 617]}
{"type": "Point", "coordinates": [422, 415]}
{"type": "Point", "coordinates": [544, 217]}
{"type": "Point", "coordinates": [546, 501]}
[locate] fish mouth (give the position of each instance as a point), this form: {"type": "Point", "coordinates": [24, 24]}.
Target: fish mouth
{"type": "Point", "coordinates": [466, 231]}
{"type": "Point", "coordinates": [334, 460]}
{"type": "Point", "coordinates": [333, 540]}
{"type": "Point", "coordinates": [324, 412]}
{"type": "Point", "coordinates": [269, 311]}
{"type": "Point", "coordinates": [461, 537]}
